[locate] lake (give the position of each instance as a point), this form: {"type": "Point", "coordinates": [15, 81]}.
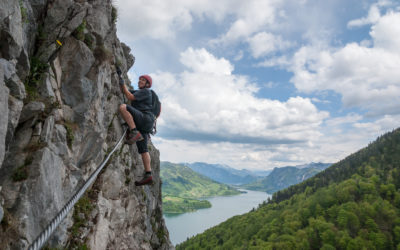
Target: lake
{"type": "Point", "coordinates": [185, 225]}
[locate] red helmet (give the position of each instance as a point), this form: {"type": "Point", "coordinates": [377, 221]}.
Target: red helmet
{"type": "Point", "coordinates": [148, 78]}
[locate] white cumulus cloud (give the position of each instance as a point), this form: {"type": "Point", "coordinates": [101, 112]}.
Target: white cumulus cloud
{"type": "Point", "coordinates": [149, 19]}
{"type": "Point", "coordinates": [342, 136]}
{"type": "Point", "coordinates": [211, 113]}
{"type": "Point", "coordinates": [264, 43]}
{"type": "Point", "coordinates": [202, 61]}
{"type": "Point", "coordinates": [208, 100]}
{"type": "Point", "coordinates": [373, 14]}
{"type": "Point", "coordinates": [366, 77]}
{"type": "Point", "coordinates": [163, 19]}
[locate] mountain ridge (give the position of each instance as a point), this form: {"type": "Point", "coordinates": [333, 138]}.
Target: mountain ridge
{"type": "Point", "coordinates": [354, 204]}
{"type": "Point", "coordinates": [223, 173]}
{"type": "Point", "coordinates": [284, 177]}
{"type": "Point", "coordinates": [340, 170]}
{"type": "Point", "coordinates": [258, 180]}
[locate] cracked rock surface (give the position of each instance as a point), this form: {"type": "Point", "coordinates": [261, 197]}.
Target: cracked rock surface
{"type": "Point", "coordinates": [59, 99]}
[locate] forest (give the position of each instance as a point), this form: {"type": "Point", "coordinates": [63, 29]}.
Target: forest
{"type": "Point", "coordinates": [354, 204]}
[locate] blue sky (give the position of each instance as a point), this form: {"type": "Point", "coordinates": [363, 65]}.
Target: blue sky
{"type": "Point", "coordinates": [260, 84]}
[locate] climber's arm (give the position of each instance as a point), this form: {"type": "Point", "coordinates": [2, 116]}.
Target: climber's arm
{"type": "Point", "coordinates": [122, 85]}
{"type": "Point", "coordinates": [125, 90]}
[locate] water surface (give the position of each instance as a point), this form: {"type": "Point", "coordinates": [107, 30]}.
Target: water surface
{"type": "Point", "coordinates": [185, 225]}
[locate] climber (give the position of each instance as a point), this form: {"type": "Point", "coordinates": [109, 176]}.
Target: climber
{"type": "Point", "coordinates": [139, 119]}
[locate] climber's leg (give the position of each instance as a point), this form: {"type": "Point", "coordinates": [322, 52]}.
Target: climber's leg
{"type": "Point", "coordinates": [127, 116]}
{"type": "Point", "coordinates": [144, 152]}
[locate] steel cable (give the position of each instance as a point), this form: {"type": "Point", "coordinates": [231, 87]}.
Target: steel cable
{"type": "Point", "coordinates": [45, 234]}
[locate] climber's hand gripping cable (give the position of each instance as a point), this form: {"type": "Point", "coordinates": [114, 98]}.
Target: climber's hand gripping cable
{"type": "Point", "coordinates": [122, 85]}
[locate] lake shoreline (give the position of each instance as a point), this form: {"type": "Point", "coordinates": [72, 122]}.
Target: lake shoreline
{"type": "Point", "coordinates": [194, 208]}
{"type": "Point", "coordinates": [186, 225]}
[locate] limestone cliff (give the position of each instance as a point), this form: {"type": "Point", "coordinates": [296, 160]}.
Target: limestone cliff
{"type": "Point", "coordinates": [59, 98]}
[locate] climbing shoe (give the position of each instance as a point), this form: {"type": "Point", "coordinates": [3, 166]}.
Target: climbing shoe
{"type": "Point", "coordinates": [147, 180]}
{"type": "Point", "coordinates": [133, 136]}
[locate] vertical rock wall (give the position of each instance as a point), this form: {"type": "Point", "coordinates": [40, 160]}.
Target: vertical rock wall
{"type": "Point", "coordinates": [59, 98]}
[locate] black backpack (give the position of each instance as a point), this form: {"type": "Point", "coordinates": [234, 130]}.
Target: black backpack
{"type": "Point", "coordinates": [156, 110]}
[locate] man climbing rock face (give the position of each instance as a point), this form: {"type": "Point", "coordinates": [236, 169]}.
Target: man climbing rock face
{"type": "Point", "coordinates": [140, 120]}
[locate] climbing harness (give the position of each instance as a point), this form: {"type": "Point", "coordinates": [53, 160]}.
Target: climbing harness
{"type": "Point", "coordinates": [45, 234]}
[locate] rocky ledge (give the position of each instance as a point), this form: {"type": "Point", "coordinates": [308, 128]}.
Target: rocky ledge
{"type": "Point", "coordinates": [59, 97]}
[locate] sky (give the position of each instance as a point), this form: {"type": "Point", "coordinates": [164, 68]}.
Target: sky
{"type": "Point", "coordinates": [259, 84]}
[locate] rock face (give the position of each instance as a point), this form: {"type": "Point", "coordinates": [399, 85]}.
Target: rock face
{"type": "Point", "coordinates": [59, 99]}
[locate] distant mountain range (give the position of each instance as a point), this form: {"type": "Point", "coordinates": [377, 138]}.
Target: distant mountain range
{"type": "Point", "coordinates": [284, 177]}
{"type": "Point", "coordinates": [269, 181]}
{"type": "Point", "coordinates": [226, 174]}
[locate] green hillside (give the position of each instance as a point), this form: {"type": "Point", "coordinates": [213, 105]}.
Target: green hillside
{"type": "Point", "coordinates": [354, 204]}
{"type": "Point", "coordinates": [181, 187]}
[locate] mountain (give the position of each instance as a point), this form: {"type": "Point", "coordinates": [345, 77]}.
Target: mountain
{"type": "Point", "coordinates": [181, 186]}
{"type": "Point", "coordinates": [59, 99]}
{"type": "Point", "coordinates": [353, 204]}
{"type": "Point", "coordinates": [317, 165]}
{"type": "Point", "coordinates": [284, 177]}
{"type": "Point", "coordinates": [261, 173]}
{"type": "Point", "coordinates": [223, 173]}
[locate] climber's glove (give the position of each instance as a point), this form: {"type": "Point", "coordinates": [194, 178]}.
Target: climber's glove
{"type": "Point", "coordinates": [121, 81]}
{"type": "Point", "coordinates": [119, 72]}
